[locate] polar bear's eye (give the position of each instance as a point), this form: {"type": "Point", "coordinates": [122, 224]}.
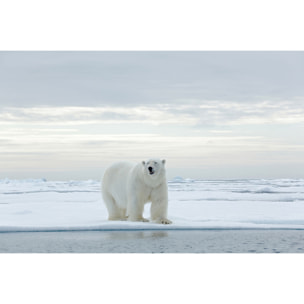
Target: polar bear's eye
{"type": "Point", "coordinates": [155, 163]}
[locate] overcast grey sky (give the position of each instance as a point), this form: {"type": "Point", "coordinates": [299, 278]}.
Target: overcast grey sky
{"type": "Point", "coordinates": [210, 114]}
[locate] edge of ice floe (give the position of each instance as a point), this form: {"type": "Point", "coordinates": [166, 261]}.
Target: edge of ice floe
{"type": "Point", "coordinates": [152, 227]}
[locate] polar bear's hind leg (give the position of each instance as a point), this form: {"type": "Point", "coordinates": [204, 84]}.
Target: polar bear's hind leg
{"type": "Point", "coordinates": [115, 213]}
{"type": "Point", "coordinates": [122, 214]}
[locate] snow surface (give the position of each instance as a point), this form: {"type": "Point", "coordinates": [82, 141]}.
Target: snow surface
{"type": "Point", "coordinates": [40, 205]}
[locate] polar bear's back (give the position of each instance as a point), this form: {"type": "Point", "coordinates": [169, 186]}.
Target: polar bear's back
{"type": "Point", "coordinates": [114, 182]}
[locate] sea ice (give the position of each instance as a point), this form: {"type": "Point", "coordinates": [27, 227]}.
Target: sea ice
{"type": "Point", "coordinates": [40, 205]}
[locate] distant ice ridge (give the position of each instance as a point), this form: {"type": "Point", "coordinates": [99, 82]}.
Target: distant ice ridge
{"type": "Point", "coordinates": [22, 181]}
{"type": "Point", "coordinates": [179, 179]}
{"type": "Point", "coordinates": [44, 180]}
{"type": "Point", "coordinates": [42, 185]}
{"type": "Point", "coordinates": [41, 205]}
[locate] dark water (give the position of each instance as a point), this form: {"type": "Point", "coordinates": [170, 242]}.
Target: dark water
{"type": "Point", "coordinates": [206, 241]}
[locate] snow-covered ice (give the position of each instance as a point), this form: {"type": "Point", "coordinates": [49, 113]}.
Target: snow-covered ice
{"type": "Point", "coordinates": [40, 205]}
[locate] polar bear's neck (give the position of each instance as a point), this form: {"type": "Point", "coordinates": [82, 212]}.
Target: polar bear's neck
{"type": "Point", "coordinates": [153, 181]}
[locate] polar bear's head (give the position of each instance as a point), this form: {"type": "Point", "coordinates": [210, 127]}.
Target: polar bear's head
{"type": "Point", "coordinates": [154, 167]}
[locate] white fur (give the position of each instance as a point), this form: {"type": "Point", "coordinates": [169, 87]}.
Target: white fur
{"type": "Point", "coordinates": [127, 187]}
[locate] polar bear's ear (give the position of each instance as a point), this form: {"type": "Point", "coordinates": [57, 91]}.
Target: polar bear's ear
{"type": "Point", "coordinates": [163, 161]}
{"type": "Point", "coordinates": [143, 162]}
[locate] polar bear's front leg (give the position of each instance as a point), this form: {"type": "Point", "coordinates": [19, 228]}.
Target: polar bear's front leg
{"type": "Point", "coordinates": [159, 212]}
{"type": "Point", "coordinates": [159, 206]}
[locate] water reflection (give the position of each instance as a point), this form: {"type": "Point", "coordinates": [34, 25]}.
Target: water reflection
{"type": "Point", "coordinates": [124, 235]}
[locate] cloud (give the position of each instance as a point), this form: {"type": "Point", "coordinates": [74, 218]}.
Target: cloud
{"type": "Point", "coordinates": [198, 114]}
{"type": "Point", "coordinates": [145, 78]}
{"type": "Point", "coordinates": [74, 110]}
{"type": "Point", "coordinates": [93, 115]}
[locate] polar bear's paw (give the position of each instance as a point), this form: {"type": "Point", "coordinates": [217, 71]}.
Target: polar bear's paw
{"type": "Point", "coordinates": [163, 221]}
{"type": "Point", "coordinates": [116, 218]}
{"type": "Point", "coordinates": [166, 221]}
{"type": "Point", "coordinates": [142, 219]}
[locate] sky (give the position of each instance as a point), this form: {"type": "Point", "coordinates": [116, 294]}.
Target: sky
{"type": "Point", "coordinates": [210, 114]}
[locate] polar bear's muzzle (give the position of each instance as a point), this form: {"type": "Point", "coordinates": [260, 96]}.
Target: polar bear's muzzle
{"type": "Point", "coordinates": [151, 170]}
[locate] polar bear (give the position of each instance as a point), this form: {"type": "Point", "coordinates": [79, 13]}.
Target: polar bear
{"type": "Point", "coordinates": [127, 187]}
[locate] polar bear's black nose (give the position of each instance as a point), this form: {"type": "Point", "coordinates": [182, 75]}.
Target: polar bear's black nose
{"type": "Point", "coordinates": [150, 169]}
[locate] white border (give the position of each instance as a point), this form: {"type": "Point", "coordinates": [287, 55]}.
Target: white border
{"type": "Point", "coordinates": [151, 25]}
{"type": "Point", "coordinates": [140, 278]}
